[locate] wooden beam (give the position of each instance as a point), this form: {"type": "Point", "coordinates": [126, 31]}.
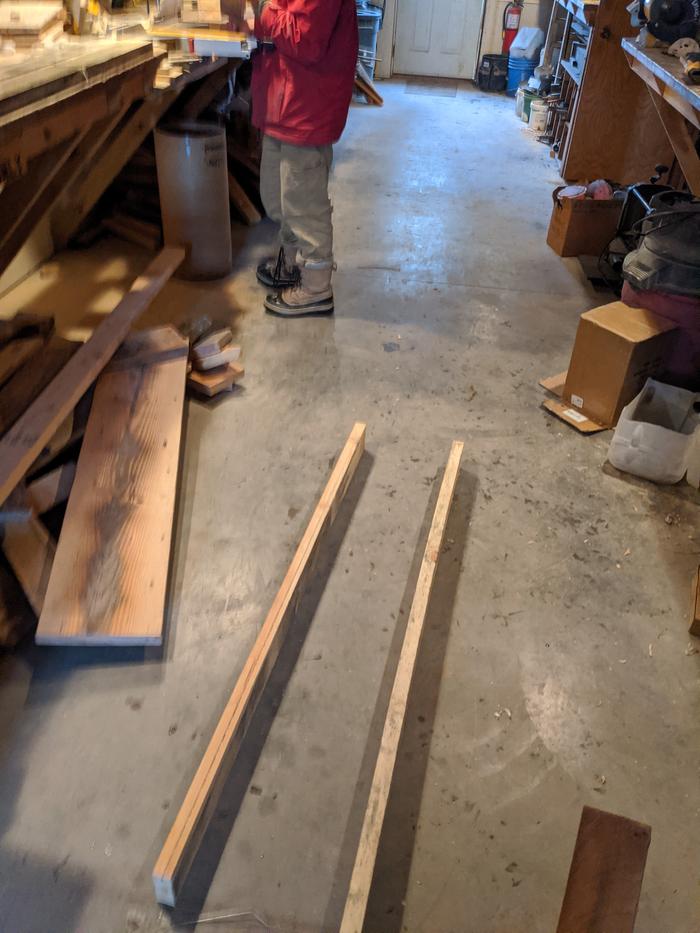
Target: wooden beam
{"type": "Point", "coordinates": [30, 552]}
{"type": "Point", "coordinates": [695, 604]}
{"type": "Point", "coordinates": [605, 878]}
{"type": "Point", "coordinates": [679, 136]}
{"type": "Point", "coordinates": [361, 880]}
{"type": "Point", "coordinates": [109, 577]}
{"type": "Point", "coordinates": [25, 440]}
{"type": "Point", "coordinates": [200, 801]}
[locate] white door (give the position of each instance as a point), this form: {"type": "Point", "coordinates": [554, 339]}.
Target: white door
{"type": "Point", "coordinates": [438, 38]}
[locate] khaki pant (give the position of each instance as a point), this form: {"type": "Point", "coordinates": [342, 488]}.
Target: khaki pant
{"type": "Point", "coordinates": [294, 192]}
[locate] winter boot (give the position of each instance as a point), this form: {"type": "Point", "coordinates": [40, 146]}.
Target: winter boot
{"type": "Point", "coordinates": [280, 272]}
{"type": "Point", "coordinates": [312, 295]}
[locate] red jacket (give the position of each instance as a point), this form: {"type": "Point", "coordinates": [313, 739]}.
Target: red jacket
{"type": "Point", "coordinates": [302, 89]}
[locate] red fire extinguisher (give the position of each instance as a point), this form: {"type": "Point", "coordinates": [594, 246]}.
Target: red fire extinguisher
{"type": "Point", "coordinates": [511, 23]}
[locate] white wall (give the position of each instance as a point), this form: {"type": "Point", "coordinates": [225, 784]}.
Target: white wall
{"type": "Point", "coordinates": [535, 13]}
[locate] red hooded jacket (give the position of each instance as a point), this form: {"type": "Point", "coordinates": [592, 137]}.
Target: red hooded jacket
{"type": "Point", "coordinates": [302, 89]}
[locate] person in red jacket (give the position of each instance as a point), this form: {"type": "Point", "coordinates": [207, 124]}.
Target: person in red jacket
{"type": "Point", "coordinates": [303, 79]}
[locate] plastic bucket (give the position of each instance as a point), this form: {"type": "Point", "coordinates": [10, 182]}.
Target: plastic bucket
{"type": "Point", "coordinates": [539, 112]}
{"type": "Point", "coordinates": [369, 19]}
{"type": "Point", "coordinates": [519, 70]}
{"type": "Point", "coordinates": [193, 188]}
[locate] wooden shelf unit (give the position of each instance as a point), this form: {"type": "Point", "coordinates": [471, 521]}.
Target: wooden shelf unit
{"type": "Point", "coordinates": [610, 128]}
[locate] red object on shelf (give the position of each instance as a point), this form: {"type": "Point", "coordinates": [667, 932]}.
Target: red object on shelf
{"type": "Point", "coordinates": [511, 23]}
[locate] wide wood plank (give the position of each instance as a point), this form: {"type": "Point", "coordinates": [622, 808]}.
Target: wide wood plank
{"type": "Point", "coordinates": [24, 442]}
{"type": "Point", "coordinates": [108, 584]}
{"type": "Point", "coordinates": [605, 879]}
{"type": "Point", "coordinates": [361, 879]}
{"type": "Point", "coordinates": [200, 801]}
{"type": "Point", "coordinates": [21, 391]}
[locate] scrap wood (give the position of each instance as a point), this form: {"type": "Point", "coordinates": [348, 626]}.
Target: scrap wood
{"type": "Point", "coordinates": [212, 343]}
{"type": "Point", "coordinates": [364, 83]}
{"type": "Point", "coordinates": [241, 203]}
{"type": "Point", "coordinates": [220, 757]}
{"type": "Point", "coordinates": [16, 353]}
{"type": "Point", "coordinates": [25, 324]}
{"type": "Point", "coordinates": [109, 577]}
{"type": "Point", "coordinates": [69, 433]}
{"type": "Point", "coordinates": [25, 440]}
{"type": "Point", "coordinates": [605, 878]}
{"type": "Point", "coordinates": [135, 231]}
{"type": "Point", "coordinates": [214, 381]}
{"type": "Point", "coordinates": [229, 354]}
{"type": "Point", "coordinates": [361, 880]}
{"type": "Point", "coordinates": [695, 605]}
{"type": "Point", "coordinates": [16, 616]}
{"type": "Point", "coordinates": [51, 489]}
{"type": "Point", "coordinates": [28, 383]}
{"type": "Point", "coordinates": [30, 550]}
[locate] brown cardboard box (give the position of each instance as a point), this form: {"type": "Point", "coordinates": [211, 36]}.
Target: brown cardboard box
{"type": "Point", "coordinates": [582, 228]}
{"type": "Point", "coordinates": [616, 348]}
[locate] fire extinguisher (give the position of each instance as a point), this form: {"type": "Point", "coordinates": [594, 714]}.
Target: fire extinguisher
{"type": "Point", "coordinates": [511, 23]}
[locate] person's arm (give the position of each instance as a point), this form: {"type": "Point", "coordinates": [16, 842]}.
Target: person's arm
{"type": "Point", "coordinates": [302, 30]}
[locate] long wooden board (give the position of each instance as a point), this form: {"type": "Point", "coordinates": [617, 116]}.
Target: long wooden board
{"type": "Point", "coordinates": [109, 577]}
{"type": "Point", "coordinates": [605, 879]}
{"type": "Point", "coordinates": [200, 801]}
{"type": "Point", "coordinates": [25, 440]}
{"type": "Point", "coordinates": [695, 604]}
{"type": "Point", "coordinates": [361, 879]}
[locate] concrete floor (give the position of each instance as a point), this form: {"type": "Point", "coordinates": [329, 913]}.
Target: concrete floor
{"type": "Point", "coordinates": [554, 670]}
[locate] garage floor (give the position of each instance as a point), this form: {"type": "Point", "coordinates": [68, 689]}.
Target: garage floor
{"type": "Point", "coordinates": [555, 668]}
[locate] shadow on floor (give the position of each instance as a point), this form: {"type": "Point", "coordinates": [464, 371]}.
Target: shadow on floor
{"type": "Point", "coordinates": [391, 874]}
{"type": "Point", "coordinates": [195, 888]}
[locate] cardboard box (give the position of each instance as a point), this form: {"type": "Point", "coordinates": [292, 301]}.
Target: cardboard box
{"type": "Point", "coordinates": [582, 228]}
{"type": "Point", "coordinates": [616, 348]}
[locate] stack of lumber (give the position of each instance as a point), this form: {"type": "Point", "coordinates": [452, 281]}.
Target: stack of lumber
{"type": "Point", "coordinates": [27, 24]}
{"type": "Point", "coordinates": [214, 366]}
{"type": "Point", "coordinates": [89, 454]}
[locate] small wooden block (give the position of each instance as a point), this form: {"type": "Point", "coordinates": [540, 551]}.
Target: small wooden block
{"type": "Point", "coordinates": [228, 355]}
{"type": "Point", "coordinates": [695, 605]}
{"type": "Point", "coordinates": [213, 343]}
{"type": "Point", "coordinates": [216, 380]}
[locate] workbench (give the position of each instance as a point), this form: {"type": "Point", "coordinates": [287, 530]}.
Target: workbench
{"type": "Point", "coordinates": [677, 104]}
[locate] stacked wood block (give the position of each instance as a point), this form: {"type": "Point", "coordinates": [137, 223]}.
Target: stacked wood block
{"type": "Point", "coordinates": [214, 366]}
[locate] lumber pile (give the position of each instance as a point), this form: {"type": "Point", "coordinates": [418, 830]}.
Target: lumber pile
{"type": "Point", "coordinates": [89, 452]}
{"type": "Point", "coordinates": [214, 366]}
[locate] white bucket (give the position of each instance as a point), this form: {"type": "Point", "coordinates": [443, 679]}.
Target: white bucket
{"type": "Point", "coordinates": [538, 116]}
{"type": "Point", "coordinates": [657, 437]}
{"type": "Point", "coordinates": [193, 187]}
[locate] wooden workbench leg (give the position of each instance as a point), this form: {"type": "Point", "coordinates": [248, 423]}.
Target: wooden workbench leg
{"type": "Point", "coordinates": [679, 136]}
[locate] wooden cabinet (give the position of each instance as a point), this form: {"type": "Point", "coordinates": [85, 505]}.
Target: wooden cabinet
{"type": "Point", "coordinates": [605, 125]}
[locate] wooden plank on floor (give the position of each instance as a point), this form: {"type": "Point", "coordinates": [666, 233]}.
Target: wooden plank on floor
{"type": "Point", "coordinates": [361, 879]}
{"type": "Point", "coordinates": [695, 604]}
{"type": "Point", "coordinates": [29, 550]}
{"type": "Point", "coordinates": [201, 799]}
{"type": "Point", "coordinates": [15, 354]}
{"type": "Point", "coordinates": [109, 578]}
{"type": "Point", "coordinates": [21, 391]}
{"type": "Point", "coordinates": [241, 202]}
{"type": "Point", "coordinates": [25, 440]}
{"type": "Point", "coordinates": [605, 878]}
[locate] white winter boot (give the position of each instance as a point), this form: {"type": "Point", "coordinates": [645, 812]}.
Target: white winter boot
{"type": "Point", "coordinates": [312, 295]}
